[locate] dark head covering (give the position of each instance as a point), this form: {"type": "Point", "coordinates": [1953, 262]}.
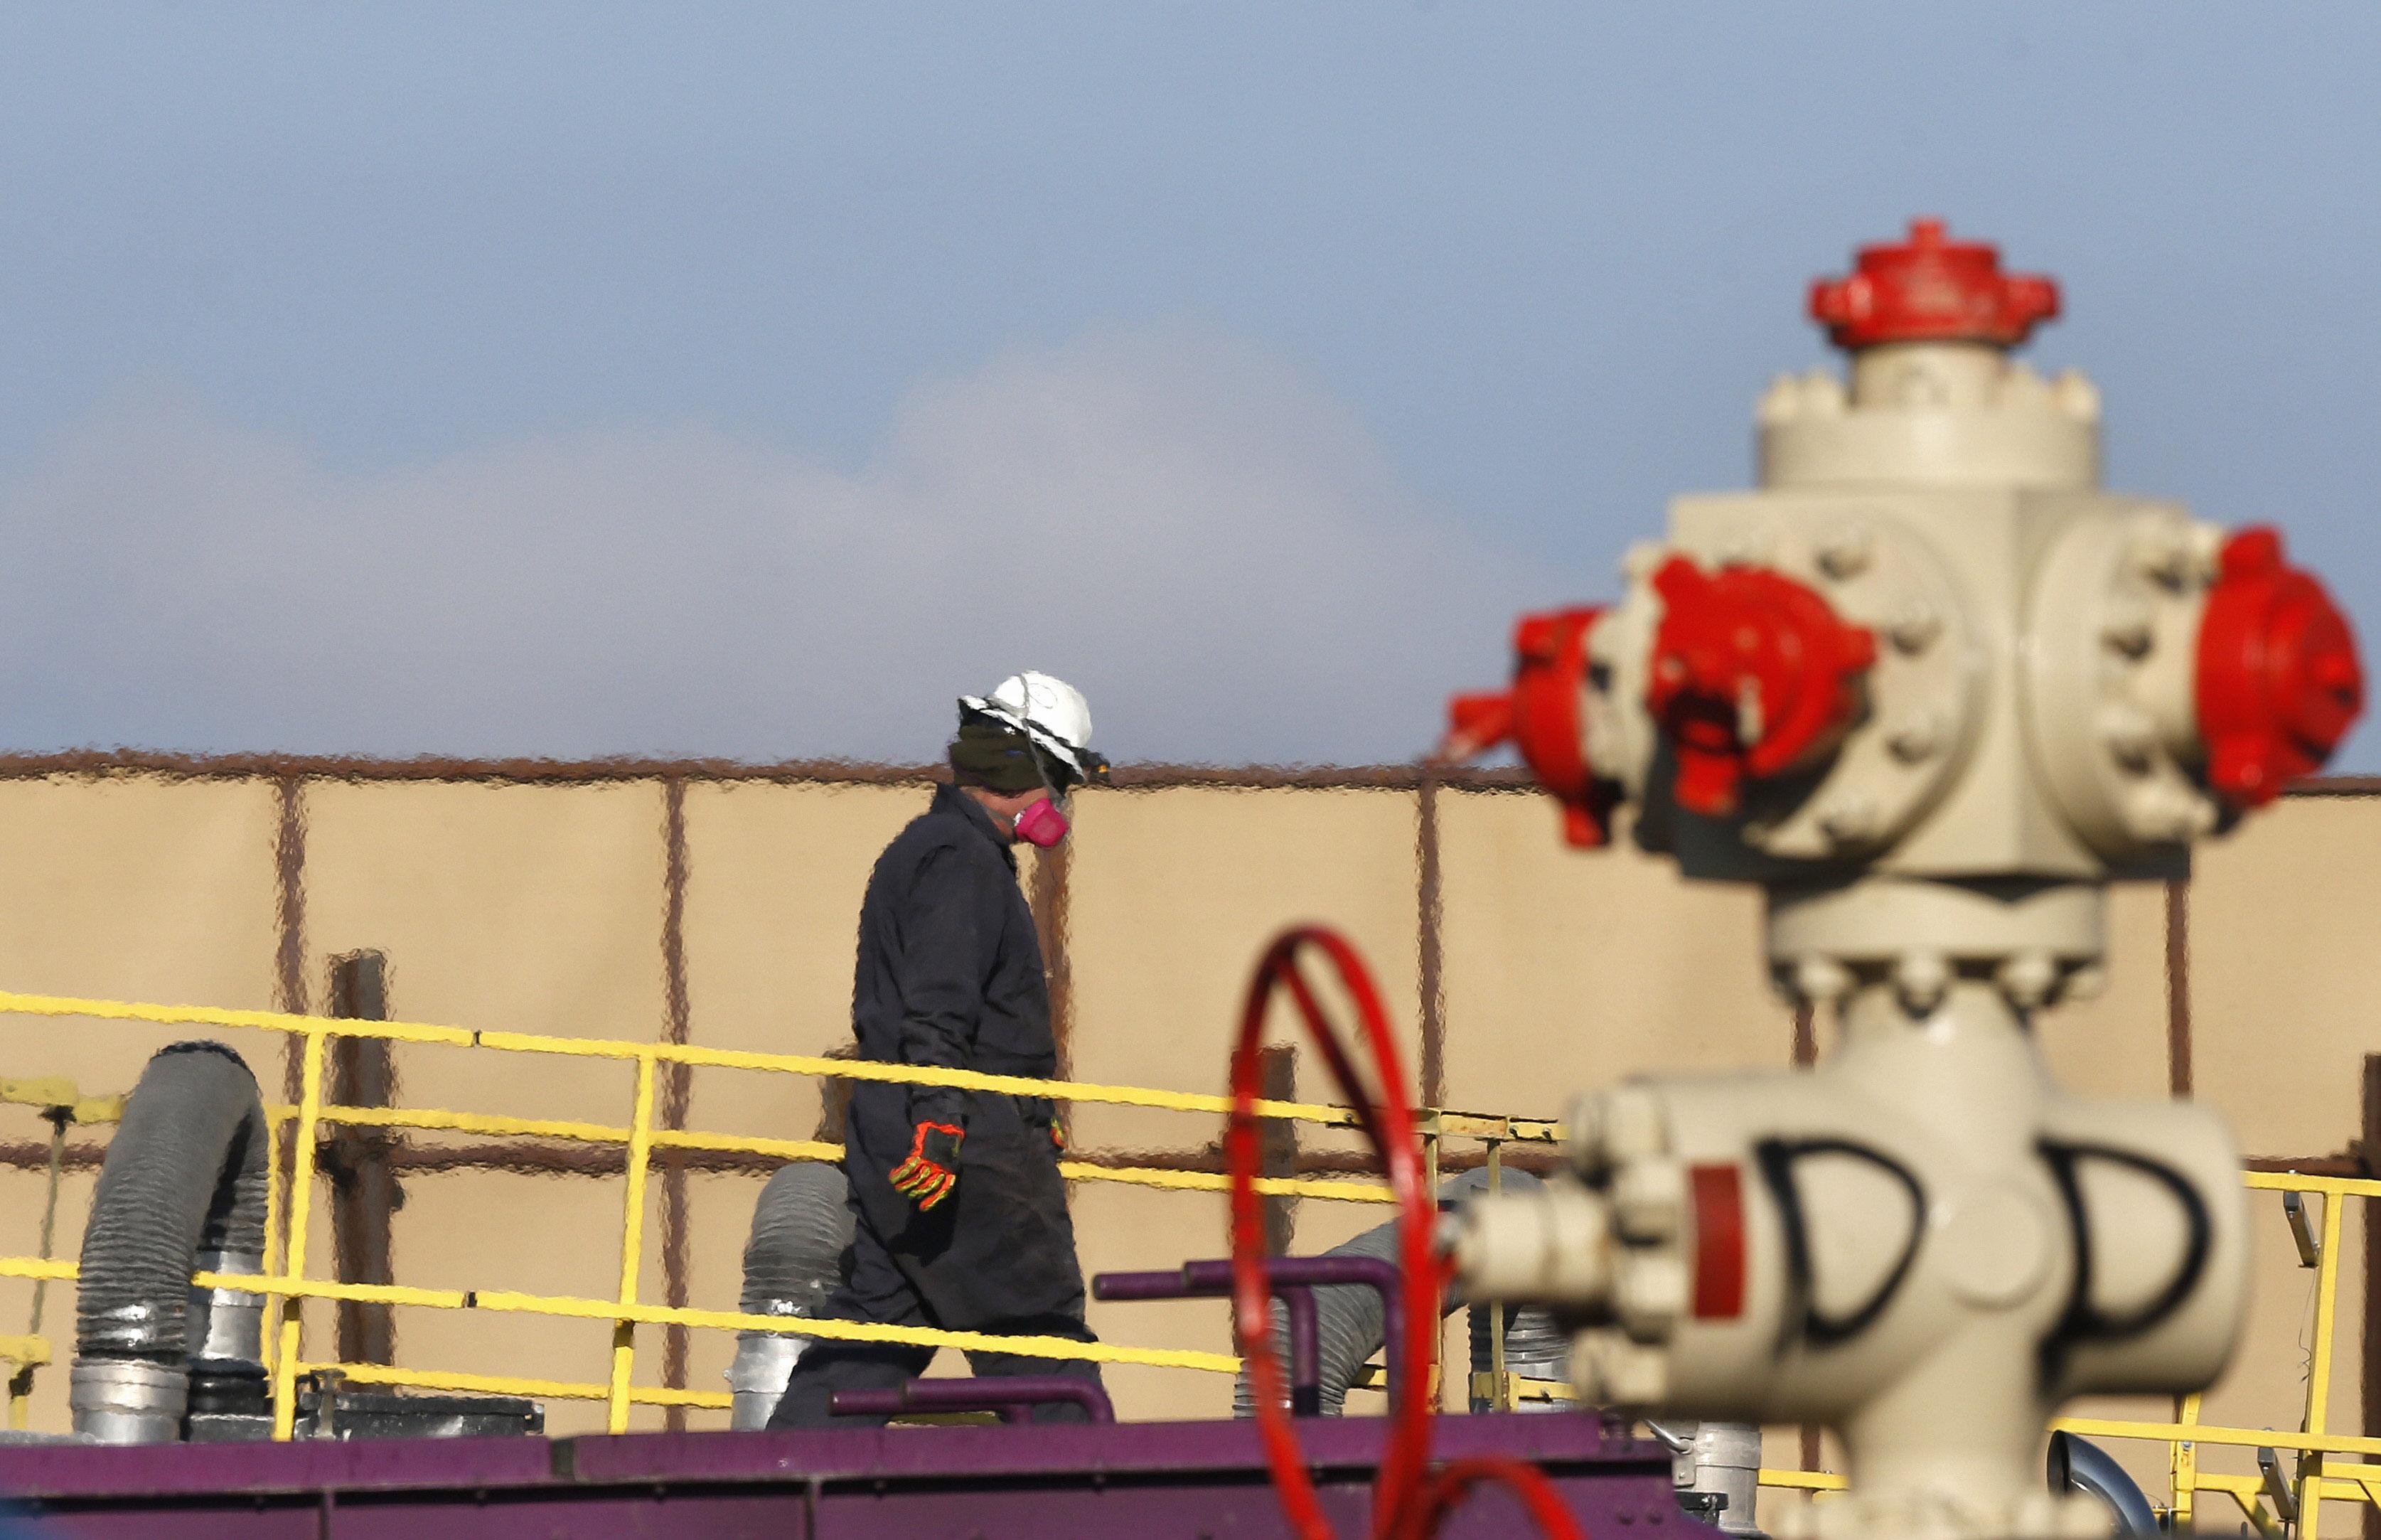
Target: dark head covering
{"type": "Point", "coordinates": [997, 758]}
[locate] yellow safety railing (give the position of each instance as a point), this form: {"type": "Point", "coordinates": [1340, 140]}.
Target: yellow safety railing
{"type": "Point", "coordinates": [285, 1279]}
{"type": "Point", "coordinates": [2275, 1503]}
{"type": "Point", "coordinates": [2323, 1470]}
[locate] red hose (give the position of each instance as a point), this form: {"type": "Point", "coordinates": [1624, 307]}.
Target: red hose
{"type": "Point", "coordinates": [1408, 1499]}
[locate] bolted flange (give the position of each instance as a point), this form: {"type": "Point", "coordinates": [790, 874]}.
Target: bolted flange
{"type": "Point", "coordinates": [2279, 682]}
{"type": "Point", "coordinates": [1753, 673]}
{"type": "Point", "coordinates": [1541, 714]}
{"type": "Point", "coordinates": [1932, 288]}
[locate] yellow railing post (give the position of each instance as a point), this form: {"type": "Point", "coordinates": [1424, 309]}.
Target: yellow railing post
{"type": "Point", "coordinates": [2185, 1466]}
{"type": "Point", "coordinates": [1441, 1383]}
{"type": "Point", "coordinates": [277, 1122]}
{"type": "Point", "coordinates": [633, 1245]}
{"type": "Point", "coordinates": [2327, 1290]}
{"type": "Point", "coordinates": [1501, 1397]}
{"type": "Point", "coordinates": [293, 1260]}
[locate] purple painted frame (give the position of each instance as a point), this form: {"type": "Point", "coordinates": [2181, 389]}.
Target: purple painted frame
{"type": "Point", "coordinates": [1153, 1481]}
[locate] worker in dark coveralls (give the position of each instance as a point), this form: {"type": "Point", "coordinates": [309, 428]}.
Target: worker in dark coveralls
{"type": "Point", "coordinates": [960, 1215]}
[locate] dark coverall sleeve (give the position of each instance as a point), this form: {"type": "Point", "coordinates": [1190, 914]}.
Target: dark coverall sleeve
{"type": "Point", "coordinates": [941, 981]}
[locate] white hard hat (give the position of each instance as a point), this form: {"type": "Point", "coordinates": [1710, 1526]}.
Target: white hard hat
{"type": "Point", "coordinates": [1047, 710]}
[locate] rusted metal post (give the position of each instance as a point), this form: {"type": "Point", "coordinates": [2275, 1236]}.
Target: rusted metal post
{"type": "Point", "coordinates": [676, 1092]}
{"type": "Point", "coordinates": [289, 982]}
{"type": "Point", "coordinates": [1277, 1144]}
{"type": "Point", "coordinates": [1429, 938]}
{"type": "Point", "coordinates": [2178, 989]}
{"type": "Point", "coordinates": [364, 1191]}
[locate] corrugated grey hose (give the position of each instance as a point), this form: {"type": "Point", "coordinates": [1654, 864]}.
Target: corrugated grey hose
{"type": "Point", "coordinates": [183, 1187]}
{"type": "Point", "coordinates": [1348, 1322]}
{"type": "Point", "coordinates": [800, 1229]}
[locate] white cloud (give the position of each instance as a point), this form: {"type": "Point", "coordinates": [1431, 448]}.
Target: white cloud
{"type": "Point", "coordinates": [1189, 529]}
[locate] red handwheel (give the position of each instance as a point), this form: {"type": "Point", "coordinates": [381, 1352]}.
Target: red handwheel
{"type": "Point", "coordinates": [1408, 1497]}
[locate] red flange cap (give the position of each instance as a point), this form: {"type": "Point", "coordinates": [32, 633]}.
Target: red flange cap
{"type": "Point", "coordinates": [1932, 288]}
{"type": "Point", "coordinates": [1541, 714]}
{"type": "Point", "coordinates": [2279, 682]}
{"type": "Point", "coordinates": [1753, 675]}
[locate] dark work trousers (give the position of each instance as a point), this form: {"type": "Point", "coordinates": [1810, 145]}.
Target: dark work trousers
{"type": "Point", "coordinates": [875, 1289]}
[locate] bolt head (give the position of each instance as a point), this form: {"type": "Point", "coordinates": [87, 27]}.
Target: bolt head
{"type": "Point", "coordinates": [1610, 1370]}
{"type": "Point", "coordinates": [2207, 545]}
{"type": "Point", "coordinates": [1612, 1128]}
{"type": "Point", "coordinates": [2161, 551]}
{"type": "Point", "coordinates": [2131, 736]}
{"type": "Point", "coordinates": [1845, 553]}
{"type": "Point", "coordinates": [2127, 630]}
{"type": "Point", "coordinates": [1748, 548]}
{"type": "Point", "coordinates": [1849, 820]}
{"type": "Point", "coordinates": [1922, 977]}
{"type": "Point", "coordinates": [2164, 810]}
{"type": "Point", "coordinates": [1824, 394]}
{"type": "Point", "coordinates": [1915, 629]}
{"type": "Point", "coordinates": [1643, 559]}
{"type": "Point", "coordinates": [1916, 738]}
{"type": "Point", "coordinates": [1650, 1293]}
{"type": "Point", "coordinates": [2028, 979]}
{"type": "Point", "coordinates": [1648, 1198]}
{"type": "Point", "coordinates": [2076, 396]}
{"type": "Point", "coordinates": [1821, 980]}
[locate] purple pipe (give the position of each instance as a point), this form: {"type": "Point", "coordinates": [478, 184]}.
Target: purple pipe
{"type": "Point", "coordinates": [1298, 1304]}
{"type": "Point", "coordinates": [1011, 1397]}
{"type": "Point", "coordinates": [1305, 1349]}
{"type": "Point", "coordinates": [1323, 1272]}
{"type": "Point", "coordinates": [1287, 1276]}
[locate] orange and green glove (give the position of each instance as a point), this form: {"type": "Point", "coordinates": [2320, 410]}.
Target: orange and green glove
{"type": "Point", "coordinates": [932, 1168]}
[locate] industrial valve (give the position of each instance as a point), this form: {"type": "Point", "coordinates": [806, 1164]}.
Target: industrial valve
{"type": "Point", "coordinates": [1929, 641]}
{"type": "Point", "coordinates": [1541, 715]}
{"type": "Point", "coordinates": [2278, 678]}
{"type": "Point", "coordinates": [1932, 688]}
{"type": "Point", "coordinates": [1920, 1243]}
{"type": "Point", "coordinates": [1753, 675]}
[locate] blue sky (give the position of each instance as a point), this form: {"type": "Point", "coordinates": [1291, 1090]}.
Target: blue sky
{"type": "Point", "coordinates": [749, 380]}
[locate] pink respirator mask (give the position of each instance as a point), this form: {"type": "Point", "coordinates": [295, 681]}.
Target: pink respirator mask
{"type": "Point", "coordinates": [1043, 824]}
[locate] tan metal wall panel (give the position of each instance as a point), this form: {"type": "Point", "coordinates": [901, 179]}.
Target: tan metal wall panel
{"type": "Point", "coordinates": [1171, 896]}
{"type": "Point", "coordinates": [1568, 970]}
{"type": "Point", "coordinates": [2286, 968]}
{"type": "Point", "coordinates": [122, 888]}
{"type": "Point", "coordinates": [1173, 893]}
{"type": "Point", "coordinates": [531, 909]}
{"type": "Point", "coordinates": [2114, 1044]}
{"type": "Point", "coordinates": [775, 876]}
{"type": "Point", "coordinates": [526, 907]}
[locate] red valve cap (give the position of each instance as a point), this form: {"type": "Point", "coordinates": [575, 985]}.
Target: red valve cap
{"type": "Point", "coordinates": [1932, 288]}
{"type": "Point", "coordinates": [1753, 675]}
{"type": "Point", "coordinates": [2279, 681]}
{"type": "Point", "coordinates": [1541, 714]}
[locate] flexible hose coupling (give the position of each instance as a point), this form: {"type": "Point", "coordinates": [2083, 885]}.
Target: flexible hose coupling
{"type": "Point", "coordinates": [764, 1365]}
{"type": "Point", "coordinates": [128, 1400]}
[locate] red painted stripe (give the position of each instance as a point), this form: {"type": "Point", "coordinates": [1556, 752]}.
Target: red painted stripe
{"type": "Point", "coordinates": [1718, 1195]}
